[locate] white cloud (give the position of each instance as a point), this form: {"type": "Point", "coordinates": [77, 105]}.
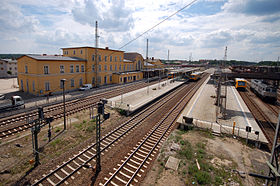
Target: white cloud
{"type": "Point", "coordinates": [250, 28]}
{"type": "Point", "coordinates": [112, 16]}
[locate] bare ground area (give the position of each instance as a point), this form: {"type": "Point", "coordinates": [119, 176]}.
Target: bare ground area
{"type": "Point", "coordinates": [217, 157]}
{"type": "Point", "coordinates": [16, 158]}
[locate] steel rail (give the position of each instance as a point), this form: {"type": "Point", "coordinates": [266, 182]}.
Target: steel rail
{"type": "Point", "coordinates": [165, 99]}
{"type": "Point", "coordinates": [83, 105]}
{"type": "Point", "coordinates": [148, 137]}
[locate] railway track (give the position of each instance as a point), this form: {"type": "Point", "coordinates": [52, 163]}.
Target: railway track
{"type": "Point", "coordinates": [16, 124]}
{"type": "Point", "coordinates": [134, 164]}
{"type": "Point", "coordinates": [268, 128]}
{"type": "Point", "coordinates": [69, 168]}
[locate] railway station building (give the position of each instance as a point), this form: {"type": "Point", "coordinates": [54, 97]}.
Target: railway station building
{"type": "Point", "coordinates": [42, 74]}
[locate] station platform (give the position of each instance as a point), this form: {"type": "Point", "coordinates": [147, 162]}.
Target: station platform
{"type": "Point", "coordinates": [132, 101]}
{"type": "Point", "coordinates": [202, 111]}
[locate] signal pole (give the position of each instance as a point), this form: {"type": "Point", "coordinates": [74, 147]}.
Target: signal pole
{"type": "Point", "coordinates": [95, 59]}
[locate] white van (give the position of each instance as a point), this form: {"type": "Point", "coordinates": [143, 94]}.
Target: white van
{"type": "Point", "coordinates": [86, 87]}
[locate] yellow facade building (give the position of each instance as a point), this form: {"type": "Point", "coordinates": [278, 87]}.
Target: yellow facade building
{"type": "Point", "coordinates": [42, 74]}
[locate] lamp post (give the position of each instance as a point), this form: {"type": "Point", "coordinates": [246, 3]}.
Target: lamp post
{"type": "Point", "coordinates": [64, 109]}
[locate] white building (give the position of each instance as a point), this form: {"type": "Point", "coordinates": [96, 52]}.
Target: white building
{"type": "Point", "coordinates": [8, 68]}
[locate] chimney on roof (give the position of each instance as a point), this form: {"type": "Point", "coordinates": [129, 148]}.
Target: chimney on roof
{"type": "Point", "coordinates": [107, 48]}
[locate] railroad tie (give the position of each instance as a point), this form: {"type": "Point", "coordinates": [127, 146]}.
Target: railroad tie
{"type": "Point", "coordinates": [51, 182]}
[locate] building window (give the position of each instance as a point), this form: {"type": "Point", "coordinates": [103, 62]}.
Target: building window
{"type": "Point", "coordinates": [47, 86]}
{"type": "Point", "coordinates": [105, 79]}
{"type": "Point", "coordinates": [110, 78]}
{"type": "Point", "coordinates": [77, 68]}
{"type": "Point", "coordinates": [46, 69]}
{"type": "Point", "coordinates": [72, 82]}
{"type": "Point", "coordinates": [123, 67]}
{"type": "Point", "coordinates": [93, 80]}
{"type": "Point", "coordinates": [61, 84]}
{"type": "Point", "coordinates": [26, 69]}
{"type": "Point", "coordinates": [27, 86]}
{"type": "Point", "coordinates": [120, 68]}
{"type": "Point", "coordinates": [92, 58]}
{"type": "Point", "coordinates": [10, 68]}
{"type": "Point", "coordinates": [121, 79]}
{"type": "Point", "coordinates": [81, 82]}
{"type": "Point", "coordinates": [71, 68]}
{"type": "Point", "coordinates": [15, 68]}
{"type": "Point", "coordinates": [81, 51]}
{"type": "Point", "coordinates": [82, 68]}
{"type": "Point", "coordinates": [21, 84]}
{"type": "Point", "coordinates": [99, 57]}
{"type": "Point", "coordinates": [92, 68]}
{"type": "Point", "coordinates": [99, 68]}
{"type": "Point", "coordinates": [105, 68]}
{"type": "Point", "coordinates": [33, 86]}
{"type": "Point", "coordinates": [115, 58]}
{"type": "Point", "coordinates": [111, 68]}
{"type": "Point", "coordinates": [116, 67]}
{"type": "Point", "coordinates": [105, 58]}
{"type": "Point", "coordinates": [74, 52]}
{"type": "Point", "coordinates": [111, 58]}
{"type": "Point", "coordinates": [61, 67]}
{"type": "Point", "coordinates": [99, 79]}
{"type": "Point", "coordinates": [127, 68]}
{"type": "Point", "coordinates": [120, 58]}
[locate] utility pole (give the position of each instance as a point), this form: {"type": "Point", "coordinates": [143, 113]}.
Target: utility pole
{"type": "Point", "coordinates": [147, 50]}
{"type": "Point", "coordinates": [64, 108]}
{"type": "Point", "coordinates": [147, 64]}
{"type": "Point", "coordinates": [168, 55]}
{"type": "Point", "coordinates": [96, 46]}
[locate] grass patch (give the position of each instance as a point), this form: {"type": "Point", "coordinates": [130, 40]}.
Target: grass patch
{"type": "Point", "coordinates": [186, 150]}
{"type": "Point", "coordinates": [122, 112]}
{"type": "Point", "coordinates": [58, 129]}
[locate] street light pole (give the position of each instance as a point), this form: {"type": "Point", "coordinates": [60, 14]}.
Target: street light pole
{"type": "Point", "coordinates": [64, 108]}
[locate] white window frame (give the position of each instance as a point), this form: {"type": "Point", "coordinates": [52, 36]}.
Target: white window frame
{"type": "Point", "coordinates": [77, 68]}
{"type": "Point", "coordinates": [47, 86]}
{"type": "Point", "coordinates": [71, 68]}
{"type": "Point", "coordinates": [46, 69]}
{"type": "Point", "coordinates": [61, 69]}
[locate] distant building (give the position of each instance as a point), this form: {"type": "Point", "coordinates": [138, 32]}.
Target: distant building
{"type": "Point", "coordinates": [8, 68]}
{"type": "Point", "coordinates": [41, 74]}
{"type": "Point", "coordinates": [136, 58]}
{"type": "Point", "coordinates": [156, 63]}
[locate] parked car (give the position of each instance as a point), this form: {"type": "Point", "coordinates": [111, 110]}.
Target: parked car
{"type": "Point", "coordinates": [14, 102]}
{"type": "Point", "coordinates": [2, 96]}
{"type": "Point", "coordinates": [86, 87]}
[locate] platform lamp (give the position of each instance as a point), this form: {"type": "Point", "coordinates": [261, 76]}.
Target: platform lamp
{"type": "Point", "coordinates": [64, 109]}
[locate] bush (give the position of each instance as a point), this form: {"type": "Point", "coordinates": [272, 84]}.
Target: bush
{"type": "Point", "coordinates": [187, 153]}
{"type": "Point", "coordinates": [202, 177]}
{"type": "Point", "coordinates": [122, 112]}
{"type": "Point", "coordinates": [192, 169]}
{"type": "Point", "coordinates": [218, 180]}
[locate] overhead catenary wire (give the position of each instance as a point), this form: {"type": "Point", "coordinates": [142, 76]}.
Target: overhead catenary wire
{"type": "Point", "coordinates": [189, 4]}
{"type": "Point", "coordinates": [132, 40]}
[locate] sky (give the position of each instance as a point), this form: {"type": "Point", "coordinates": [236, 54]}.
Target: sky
{"type": "Point", "coordinates": [249, 28]}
